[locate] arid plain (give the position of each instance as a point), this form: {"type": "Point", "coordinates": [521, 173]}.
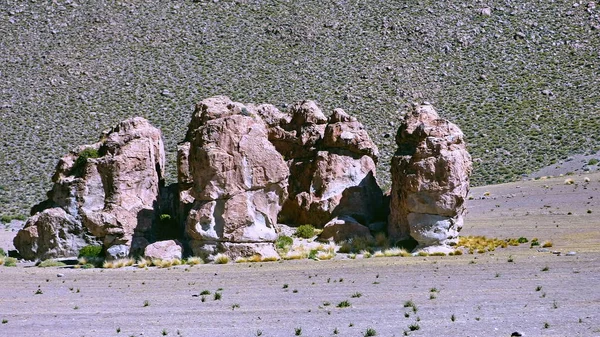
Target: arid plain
{"type": "Point", "coordinates": [513, 289]}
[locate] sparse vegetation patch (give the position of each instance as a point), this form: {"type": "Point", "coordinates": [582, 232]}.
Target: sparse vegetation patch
{"type": "Point", "coordinates": [305, 231]}
{"type": "Point", "coordinates": [51, 263]}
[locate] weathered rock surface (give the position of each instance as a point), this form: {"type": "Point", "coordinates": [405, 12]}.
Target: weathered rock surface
{"type": "Point", "coordinates": [116, 252]}
{"type": "Point", "coordinates": [237, 180]}
{"type": "Point", "coordinates": [108, 190]}
{"type": "Point", "coordinates": [131, 169]}
{"type": "Point", "coordinates": [332, 165]}
{"type": "Point", "coordinates": [51, 233]}
{"type": "Point", "coordinates": [164, 250]}
{"type": "Point", "coordinates": [430, 181]}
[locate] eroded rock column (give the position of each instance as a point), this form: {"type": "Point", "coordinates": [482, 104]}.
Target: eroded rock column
{"type": "Point", "coordinates": [430, 181]}
{"type": "Point", "coordinates": [106, 193]}
{"type": "Point", "coordinates": [237, 181]}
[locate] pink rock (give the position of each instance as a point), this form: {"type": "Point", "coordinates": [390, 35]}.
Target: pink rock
{"type": "Point", "coordinates": [111, 198]}
{"type": "Point", "coordinates": [239, 180]}
{"type": "Point", "coordinates": [131, 166]}
{"type": "Point", "coordinates": [330, 185]}
{"type": "Point", "coordinates": [164, 250]}
{"type": "Point", "coordinates": [344, 228]}
{"type": "Point", "coordinates": [51, 234]}
{"type": "Point", "coordinates": [332, 167]}
{"type": "Point", "coordinates": [345, 132]}
{"type": "Point", "coordinates": [430, 180]}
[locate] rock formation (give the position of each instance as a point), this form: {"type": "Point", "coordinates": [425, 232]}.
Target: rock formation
{"type": "Point", "coordinates": [332, 165]}
{"type": "Point", "coordinates": [236, 181]}
{"type": "Point", "coordinates": [237, 161]}
{"type": "Point", "coordinates": [430, 181]}
{"type": "Point", "coordinates": [240, 170]}
{"type": "Point", "coordinates": [106, 193]}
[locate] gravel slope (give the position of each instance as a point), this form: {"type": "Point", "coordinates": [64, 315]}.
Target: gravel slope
{"type": "Point", "coordinates": [522, 82]}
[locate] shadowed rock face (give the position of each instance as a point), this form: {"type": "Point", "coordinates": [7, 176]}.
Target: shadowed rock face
{"type": "Point", "coordinates": [332, 165]}
{"type": "Point", "coordinates": [430, 181]}
{"type": "Point", "coordinates": [108, 196]}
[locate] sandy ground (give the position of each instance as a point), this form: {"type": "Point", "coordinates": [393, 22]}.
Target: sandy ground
{"type": "Point", "coordinates": [537, 294]}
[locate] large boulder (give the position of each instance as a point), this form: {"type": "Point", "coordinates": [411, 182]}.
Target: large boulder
{"type": "Point", "coordinates": [241, 169]}
{"type": "Point", "coordinates": [164, 250]}
{"type": "Point", "coordinates": [50, 234]}
{"type": "Point", "coordinates": [108, 191]}
{"type": "Point", "coordinates": [344, 228]}
{"type": "Point", "coordinates": [430, 181]}
{"type": "Point", "coordinates": [236, 181]}
{"type": "Point", "coordinates": [332, 165]}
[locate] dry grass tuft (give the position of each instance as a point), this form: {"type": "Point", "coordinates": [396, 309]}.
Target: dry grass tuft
{"type": "Point", "coordinates": [482, 244]}
{"type": "Point", "coordinates": [194, 260]}
{"type": "Point", "coordinates": [143, 263]}
{"type": "Point", "coordinates": [325, 255]}
{"type": "Point", "coordinates": [270, 259]}
{"type": "Point", "coordinates": [166, 263]}
{"type": "Point", "coordinates": [120, 263]}
{"type": "Point", "coordinates": [221, 259]}
{"type": "Point", "coordinates": [358, 244]}
{"type": "Point", "coordinates": [255, 258]}
{"type": "Point", "coordinates": [345, 248]}
{"type": "Point", "coordinates": [396, 252]}
{"type": "Point", "coordinates": [89, 262]}
{"type": "Point", "coordinates": [381, 240]}
{"type": "Point", "coordinates": [9, 261]}
{"type": "Point", "coordinates": [51, 263]}
{"type": "Point", "coordinates": [295, 255]}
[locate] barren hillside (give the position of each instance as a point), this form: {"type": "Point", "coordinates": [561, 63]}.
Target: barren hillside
{"type": "Point", "coordinates": [520, 78]}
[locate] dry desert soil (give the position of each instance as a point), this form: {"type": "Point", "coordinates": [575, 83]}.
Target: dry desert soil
{"type": "Point", "coordinates": [514, 289]}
